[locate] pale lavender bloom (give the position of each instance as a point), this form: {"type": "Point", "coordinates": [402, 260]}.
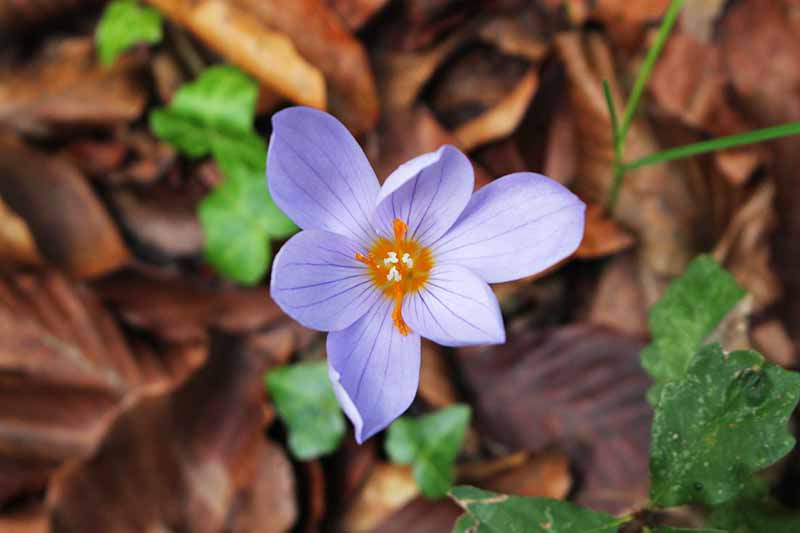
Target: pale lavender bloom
{"type": "Point", "coordinates": [379, 267]}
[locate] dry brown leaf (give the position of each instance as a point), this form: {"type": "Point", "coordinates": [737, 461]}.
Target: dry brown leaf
{"type": "Point", "coordinates": [745, 247]}
{"type": "Point", "coordinates": [320, 37]}
{"type": "Point", "coordinates": [698, 18]}
{"type": "Point", "coordinates": [521, 33]}
{"type": "Point", "coordinates": [161, 219]}
{"type": "Point", "coordinates": [269, 55]}
{"type": "Point", "coordinates": [184, 309]}
{"type": "Point", "coordinates": [580, 388]}
{"type": "Point", "coordinates": [602, 236]}
{"type": "Point", "coordinates": [17, 247]}
{"type": "Point", "coordinates": [66, 370]}
{"type": "Point", "coordinates": [16, 16]}
{"type": "Point", "coordinates": [771, 339]}
{"type": "Point", "coordinates": [64, 87]}
{"type": "Point", "coordinates": [543, 475]}
{"type": "Point", "coordinates": [194, 460]}
{"type": "Point", "coordinates": [355, 13]}
{"type": "Point", "coordinates": [71, 227]}
{"type": "Point", "coordinates": [502, 119]}
{"type": "Point", "coordinates": [618, 301]}
{"type": "Point", "coordinates": [388, 488]}
{"type": "Point", "coordinates": [627, 21]}
{"type": "Point", "coordinates": [435, 378]}
{"type": "Point", "coordinates": [656, 202]}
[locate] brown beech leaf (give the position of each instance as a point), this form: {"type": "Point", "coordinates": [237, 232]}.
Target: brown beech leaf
{"type": "Point", "coordinates": [578, 387]}
{"type": "Point", "coordinates": [320, 36]}
{"type": "Point", "coordinates": [17, 247]}
{"type": "Point", "coordinates": [656, 202]}
{"type": "Point", "coordinates": [65, 368]}
{"type": "Point", "coordinates": [545, 475]}
{"type": "Point", "coordinates": [71, 227]}
{"type": "Point", "coordinates": [192, 460]}
{"type": "Point", "coordinates": [183, 309]}
{"type": "Point", "coordinates": [162, 218]}
{"type": "Point", "coordinates": [602, 235]}
{"type": "Point", "coordinates": [626, 21]}
{"type": "Point", "coordinates": [356, 13]}
{"type": "Point", "coordinates": [762, 56]}
{"type": "Point", "coordinates": [745, 248]}
{"type": "Point", "coordinates": [65, 87]}
{"type": "Point", "coordinates": [523, 33]}
{"type": "Point", "coordinates": [269, 55]}
{"type": "Point", "coordinates": [618, 300]}
{"type": "Point", "coordinates": [387, 488]}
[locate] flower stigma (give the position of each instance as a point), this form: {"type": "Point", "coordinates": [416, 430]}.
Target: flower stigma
{"type": "Point", "coordinates": [398, 267]}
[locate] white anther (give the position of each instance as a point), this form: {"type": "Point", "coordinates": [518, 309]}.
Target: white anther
{"type": "Point", "coordinates": [408, 261]}
{"type": "Point", "coordinates": [390, 259]}
{"type": "Point", "coordinates": [394, 275]}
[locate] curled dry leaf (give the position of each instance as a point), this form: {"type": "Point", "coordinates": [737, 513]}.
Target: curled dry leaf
{"type": "Point", "coordinates": [320, 36]}
{"type": "Point", "coordinates": [762, 56]}
{"type": "Point", "coordinates": [192, 460]}
{"type": "Point", "coordinates": [16, 15]}
{"type": "Point", "coordinates": [71, 227]}
{"type": "Point", "coordinates": [65, 87]}
{"type": "Point", "coordinates": [744, 248]}
{"type": "Point", "coordinates": [544, 475]}
{"type": "Point", "coordinates": [269, 55]}
{"type": "Point", "coordinates": [161, 219]}
{"type": "Point", "coordinates": [388, 488]}
{"type": "Point", "coordinates": [435, 377]}
{"type": "Point", "coordinates": [522, 33]}
{"type": "Point", "coordinates": [618, 301]}
{"type": "Point", "coordinates": [67, 369]}
{"type": "Point", "coordinates": [577, 387]}
{"type": "Point", "coordinates": [17, 247]}
{"type": "Point", "coordinates": [355, 13]}
{"type": "Point", "coordinates": [182, 310]}
{"type": "Point", "coordinates": [602, 235]}
{"type": "Point", "coordinates": [656, 202]}
{"type": "Point", "coordinates": [626, 22]}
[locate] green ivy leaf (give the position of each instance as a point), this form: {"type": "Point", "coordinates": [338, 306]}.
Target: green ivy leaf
{"type": "Point", "coordinates": [215, 115]}
{"type": "Point", "coordinates": [217, 108]}
{"type": "Point", "coordinates": [430, 444]}
{"type": "Point", "coordinates": [755, 515]}
{"type": "Point", "coordinates": [692, 306]}
{"type": "Point", "coordinates": [726, 419]}
{"type": "Point", "coordinates": [123, 24]}
{"type": "Point", "coordinates": [489, 512]}
{"type": "Point", "coordinates": [307, 405]}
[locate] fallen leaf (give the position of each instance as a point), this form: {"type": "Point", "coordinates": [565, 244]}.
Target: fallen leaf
{"type": "Point", "coordinates": [194, 459]}
{"type": "Point", "coordinates": [626, 22]}
{"type": "Point", "coordinates": [16, 16]}
{"type": "Point", "coordinates": [618, 301]}
{"type": "Point", "coordinates": [355, 13]}
{"type": "Point", "coordinates": [578, 387]}
{"type": "Point", "coordinates": [71, 227]}
{"type": "Point", "coordinates": [161, 219]}
{"type": "Point", "coordinates": [602, 236]}
{"type": "Point", "coordinates": [267, 54]}
{"type": "Point", "coordinates": [64, 87]}
{"type": "Point", "coordinates": [320, 36]}
{"type": "Point", "coordinates": [435, 378]}
{"type": "Point", "coordinates": [183, 310]}
{"type": "Point", "coordinates": [388, 488]}
{"type": "Point", "coordinates": [523, 33]}
{"type": "Point", "coordinates": [67, 370]}
{"type": "Point", "coordinates": [698, 18]}
{"type": "Point", "coordinates": [545, 475]}
{"type": "Point", "coordinates": [17, 247]}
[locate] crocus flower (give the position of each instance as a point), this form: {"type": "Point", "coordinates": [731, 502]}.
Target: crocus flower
{"type": "Point", "coordinates": [379, 267]}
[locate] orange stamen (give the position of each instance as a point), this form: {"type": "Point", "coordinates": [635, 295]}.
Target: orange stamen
{"type": "Point", "coordinates": [397, 312]}
{"type": "Point", "coordinates": [400, 229]}
{"type": "Point", "coordinates": [368, 260]}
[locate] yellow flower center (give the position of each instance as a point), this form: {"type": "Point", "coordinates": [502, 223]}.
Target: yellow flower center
{"type": "Point", "coordinates": [398, 267]}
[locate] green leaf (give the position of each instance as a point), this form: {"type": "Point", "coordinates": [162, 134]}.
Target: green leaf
{"type": "Point", "coordinates": [726, 419]}
{"type": "Point", "coordinates": [307, 405]}
{"type": "Point", "coordinates": [489, 512]}
{"type": "Point", "coordinates": [667, 529]}
{"type": "Point", "coordinates": [123, 24]}
{"type": "Point", "coordinates": [691, 308]}
{"type": "Point", "coordinates": [218, 107]}
{"type": "Point", "coordinates": [755, 515]}
{"type": "Point", "coordinates": [239, 216]}
{"type": "Point", "coordinates": [430, 444]}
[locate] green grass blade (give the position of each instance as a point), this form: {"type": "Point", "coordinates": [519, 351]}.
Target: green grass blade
{"type": "Point", "coordinates": [732, 141]}
{"type": "Point", "coordinates": [644, 73]}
